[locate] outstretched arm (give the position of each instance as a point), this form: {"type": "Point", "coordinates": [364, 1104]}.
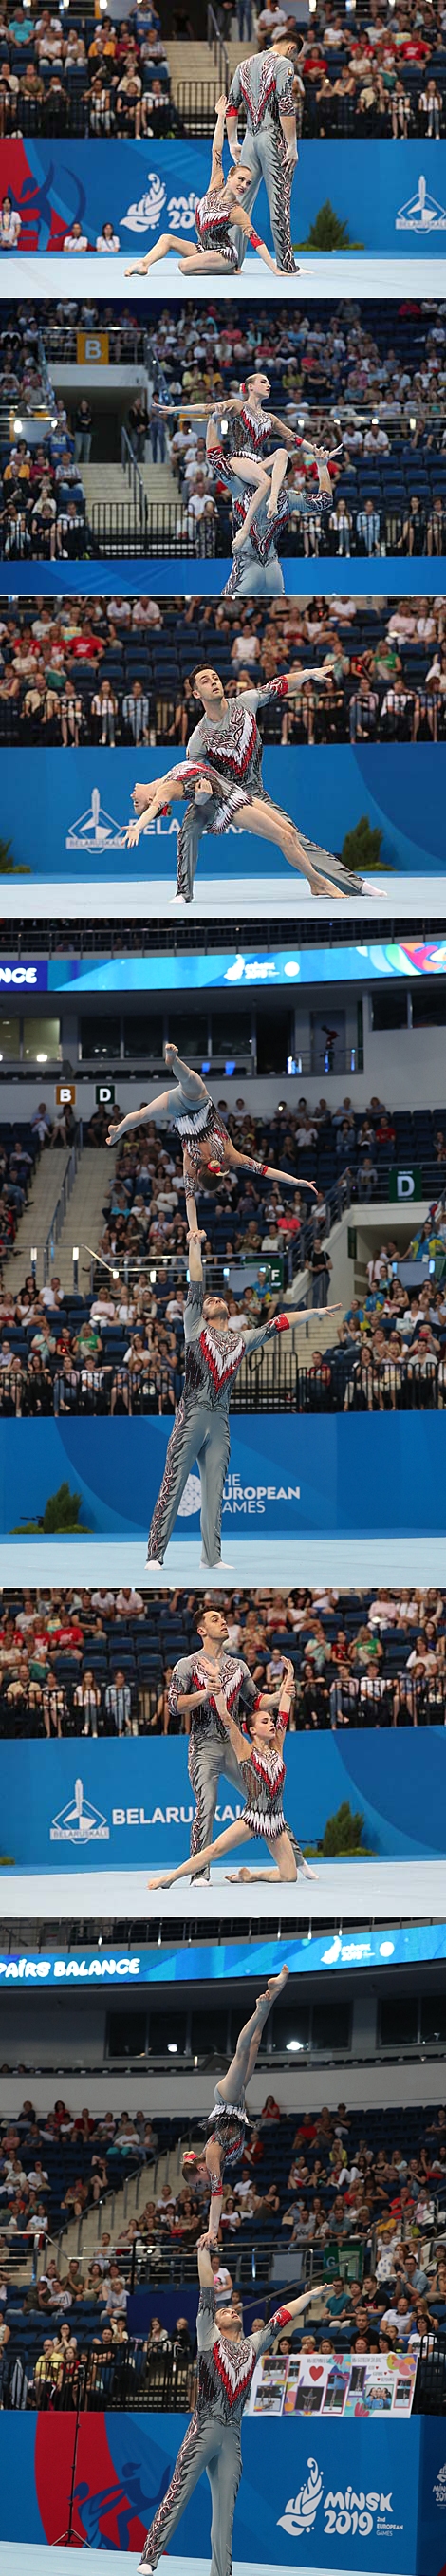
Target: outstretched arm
{"type": "Point", "coordinates": [205, 2272]}
{"type": "Point", "coordinates": [239, 216]}
{"type": "Point", "coordinates": [194, 1242]}
{"type": "Point", "coordinates": [216, 179]}
{"type": "Point", "coordinates": [240, 1743]}
{"type": "Point", "coordinates": [164, 791]}
{"type": "Point", "coordinates": [284, 2317]}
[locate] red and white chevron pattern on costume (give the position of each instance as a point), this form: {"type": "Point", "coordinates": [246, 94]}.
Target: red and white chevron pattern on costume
{"type": "Point", "coordinates": [222, 1356]}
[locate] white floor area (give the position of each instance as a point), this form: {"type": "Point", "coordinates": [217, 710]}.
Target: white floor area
{"type": "Point", "coordinates": [347, 274]}
{"type": "Point", "coordinates": [346, 1891]}
{"type": "Point", "coordinates": [252, 1561]}
{"type": "Point", "coordinates": [227, 898]}
{"type": "Point", "coordinates": [15, 2560]}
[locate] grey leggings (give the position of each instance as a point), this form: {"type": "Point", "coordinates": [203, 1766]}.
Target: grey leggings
{"type": "Point", "coordinates": [215, 2447]}
{"type": "Point", "coordinates": [208, 1761]}
{"type": "Point", "coordinates": [200, 1434]}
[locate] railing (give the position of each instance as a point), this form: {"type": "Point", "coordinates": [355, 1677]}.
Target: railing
{"type": "Point", "coordinates": [271, 1381]}
{"type": "Point", "coordinates": [116, 530]}
{"type": "Point", "coordinates": [218, 50]}
{"type": "Point", "coordinates": [362, 1702]}
{"type": "Point", "coordinates": [57, 1220]}
{"type": "Point", "coordinates": [134, 478]}
{"type": "Point", "coordinates": [125, 2376]}
{"type": "Point", "coordinates": [314, 716]}
{"type": "Point", "coordinates": [430, 2387]}
{"type": "Point", "coordinates": [190, 114]}
{"type": "Point", "coordinates": [113, 529]}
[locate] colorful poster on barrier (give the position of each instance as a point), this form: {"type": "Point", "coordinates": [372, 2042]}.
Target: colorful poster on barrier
{"type": "Point", "coordinates": [340, 2384]}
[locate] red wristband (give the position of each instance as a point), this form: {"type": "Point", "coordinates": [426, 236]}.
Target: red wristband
{"type": "Point", "coordinates": [282, 2317]}
{"type": "Point", "coordinates": [255, 238]}
{"type": "Point", "coordinates": [281, 1324]}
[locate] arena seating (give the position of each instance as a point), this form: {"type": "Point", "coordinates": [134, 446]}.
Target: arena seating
{"type": "Point", "coordinates": [359, 1660]}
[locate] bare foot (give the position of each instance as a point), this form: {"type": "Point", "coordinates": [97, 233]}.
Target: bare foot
{"type": "Point", "coordinates": [323, 886]}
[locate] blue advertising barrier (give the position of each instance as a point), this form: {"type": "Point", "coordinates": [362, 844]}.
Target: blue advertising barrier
{"type": "Point", "coordinates": [71, 818]}
{"type": "Point", "coordinates": [383, 2476]}
{"type": "Point", "coordinates": [226, 967]}
{"type": "Point", "coordinates": [349, 1475]}
{"type": "Point", "coordinates": [201, 578]}
{"type": "Point", "coordinates": [202, 1962]}
{"type": "Point", "coordinates": [384, 197]}
{"type": "Point", "coordinates": [134, 1805]}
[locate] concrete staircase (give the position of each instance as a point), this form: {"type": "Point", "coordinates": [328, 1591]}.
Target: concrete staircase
{"type": "Point", "coordinates": [84, 1220]}
{"type": "Point", "coordinates": [36, 1220]}
{"type": "Point", "coordinates": [194, 61]}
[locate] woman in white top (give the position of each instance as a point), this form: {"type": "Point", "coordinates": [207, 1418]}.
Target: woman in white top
{"type": "Point", "coordinates": [10, 225]}
{"type": "Point", "coordinates": [107, 240]}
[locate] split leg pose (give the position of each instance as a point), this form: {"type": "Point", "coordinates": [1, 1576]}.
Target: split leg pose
{"type": "Point", "coordinates": [226, 2364]}
{"type": "Point", "coordinates": [206, 1143]}
{"type": "Point", "coordinates": [228, 2120]}
{"type": "Point", "coordinates": [216, 215]}
{"type": "Point", "coordinates": [263, 1769]}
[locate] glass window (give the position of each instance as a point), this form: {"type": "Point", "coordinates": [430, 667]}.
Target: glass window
{"type": "Point", "coordinates": [167, 2031]}
{"type": "Point", "coordinates": [433, 2019]}
{"type": "Point", "coordinates": [398, 2021]}
{"type": "Point", "coordinates": [126, 2034]}
{"type": "Point", "coordinates": [289, 2023]}
{"type": "Point", "coordinates": [428, 1005]}
{"type": "Point", "coordinates": [275, 1039]}
{"type": "Point", "coordinates": [9, 1039]}
{"type": "Point", "coordinates": [188, 1030]}
{"type": "Point", "coordinates": [331, 2025]}
{"type": "Point", "coordinates": [143, 1035]}
{"type": "Point", "coordinates": [41, 1041]}
{"type": "Point", "coordinates": [99, 1038]}
{"type": "Point", "coordinates": [388, 1007]}
{"type": "Point", "coordinates": [209, 2032]}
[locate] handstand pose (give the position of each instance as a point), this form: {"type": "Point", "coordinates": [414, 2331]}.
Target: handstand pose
{"type": "Point", "coordinates": [215, 215]}
{"type": "Point", "coordinates": [226, 750]}
{"type": "Point", "coordinates": [228, 2122]}
{"type": "Point", "coordinates": [226, 2364]}
{"type": "Point", "coordinates": [263, 1772]}
{"type": "Point", "coordinates": [205, 1139]}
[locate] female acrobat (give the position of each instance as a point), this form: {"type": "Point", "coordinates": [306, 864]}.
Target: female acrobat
{"type": "Point", "coordinates": [207, 1147]}
{"type": "Point", "coordinates": [215, 215]}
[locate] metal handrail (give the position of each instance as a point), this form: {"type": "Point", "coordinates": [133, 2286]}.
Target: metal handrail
{"type": "Point", "coordinates": [217, 48]}
{"type": "Point", "coordinates": [134, 477]}
{"type": "Point", "coordinates": [60, 1210]}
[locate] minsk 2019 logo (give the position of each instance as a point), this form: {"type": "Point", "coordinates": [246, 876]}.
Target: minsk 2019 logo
{"type": "Point", "coordinates": [144, 215]}
{"type": "Point", "coordinates": [301, 2511]}
{"type": "Point", "coordinates": [344, 2510]}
